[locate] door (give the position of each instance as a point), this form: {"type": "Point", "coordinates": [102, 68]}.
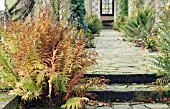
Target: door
{"type": "Point", "coordinates": [107, 12]}
{"type": "Point", "coordinates": [107, 7]}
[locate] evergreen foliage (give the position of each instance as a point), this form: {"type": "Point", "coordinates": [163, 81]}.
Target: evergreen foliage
{"type": "Point", "coordinates": [78, 13]}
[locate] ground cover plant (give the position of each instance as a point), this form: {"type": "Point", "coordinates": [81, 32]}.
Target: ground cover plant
{"type": "Point", "coordinates": [94, 24]}
{"type": "Point", "coordinates": [42, 62]}
{"type": "Point", "coordinates": [140, 24]}
{"type": "Point", "coordinates": [139, 27]}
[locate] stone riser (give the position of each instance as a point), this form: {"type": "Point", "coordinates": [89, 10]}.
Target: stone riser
{"type": "Point", "coordinates": [129, 96]}
{"type": "Point", "coordinates": [127, 78]}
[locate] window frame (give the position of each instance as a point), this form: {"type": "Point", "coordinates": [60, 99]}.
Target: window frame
{"type": "Point", "coordinates": [101, 3]}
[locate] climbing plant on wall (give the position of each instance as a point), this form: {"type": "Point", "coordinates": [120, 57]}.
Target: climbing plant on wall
{"type": "Point", "coordinates": [124, 7]}
{"type": "Point", "coordinates": [78, 14]}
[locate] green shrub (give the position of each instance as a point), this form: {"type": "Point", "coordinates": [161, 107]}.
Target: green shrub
{"type": "Point", "coordinates": [140, 24]}
{"type": "Point", "coordinates": [78, 13]}
{"type": "Point", "coordinates": [94, 24]}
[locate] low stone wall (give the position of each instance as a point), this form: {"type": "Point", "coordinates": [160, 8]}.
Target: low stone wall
{"type": "Point", "coordinates": [8, 102]}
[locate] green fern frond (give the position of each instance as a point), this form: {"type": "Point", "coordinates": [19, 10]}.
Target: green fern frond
{"type": "Point", "coordinates": [60, 81]}
{"type": "Point", "coordinates": [6, 62]}
{"type": "Point", "coordinates": [7, 73]}
{"type": "Point", "coordinates": [40, 78]}
{"type": "Point", "coordinates": [74, 103]}
{"type": "Point", "coordinates": [27, 89]}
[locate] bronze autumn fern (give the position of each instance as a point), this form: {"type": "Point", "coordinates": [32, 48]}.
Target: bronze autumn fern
{"type": "Point", "coordinates": [48, 62]}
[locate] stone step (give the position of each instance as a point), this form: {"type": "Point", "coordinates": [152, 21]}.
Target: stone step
{"type": "Point", "coordinates": [127, 78]}
{"type": "Point", "coordinates": [131, 93]}
{"type": "Point", "coordinates": [130, 105]}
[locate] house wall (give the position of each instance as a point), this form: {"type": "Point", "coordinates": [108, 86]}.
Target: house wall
{"type": "Point", "coordinates": [93, 7]}
{"type": "Point", "coordinates": [139, 3]}
{"type": "Point", "coordinates": [160, 8]}
{"type": "Point", "coordinates": [96, 8]}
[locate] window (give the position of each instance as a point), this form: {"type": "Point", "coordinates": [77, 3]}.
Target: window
{"type": "Point", "coordinates": [107, 8]}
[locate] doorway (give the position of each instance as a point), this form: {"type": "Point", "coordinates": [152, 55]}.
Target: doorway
{"type": "Point", "coordinates": [107, 12]}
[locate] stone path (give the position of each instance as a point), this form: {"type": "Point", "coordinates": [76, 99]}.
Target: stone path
{"type": "Point", "coordinates": [116, 56]}
{"type": "Point", "coordinates": [119, 57]}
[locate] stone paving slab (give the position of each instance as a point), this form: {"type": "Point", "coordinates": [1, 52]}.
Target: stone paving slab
{"type": "Point", "coordinates": [131, 106]}
{"type": "Point", "coordinates": [126, 88]}
{"type": "Point", "coordinates": [116, 56]}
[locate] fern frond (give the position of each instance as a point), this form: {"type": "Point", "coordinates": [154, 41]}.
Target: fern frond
{"type": "Point", "coordinates": [74, 103]}
{"type": "Point", "coordinates": [60, 81]}
{"type": "Point", "coordinates": [5, 61]}
{"type": "Point", "coordinates": [49, 60]}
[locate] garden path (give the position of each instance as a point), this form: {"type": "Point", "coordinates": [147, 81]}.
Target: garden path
{"type": "Point", "coordinates": [116, 56]}
{"type": "Point", "coordinates": [121, 61]}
